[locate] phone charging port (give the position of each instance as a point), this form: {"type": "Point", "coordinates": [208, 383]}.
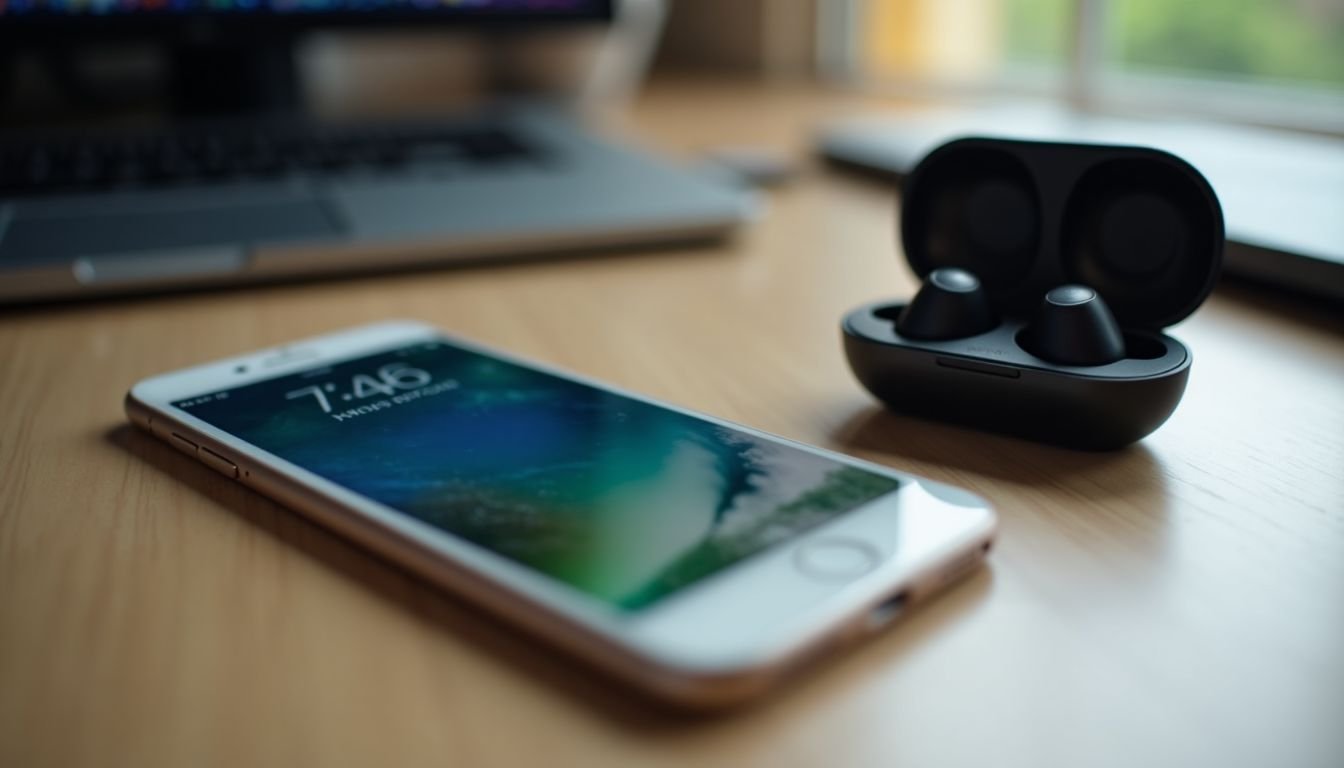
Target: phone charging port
{"type": "Point", "coordinates": [886, 611]}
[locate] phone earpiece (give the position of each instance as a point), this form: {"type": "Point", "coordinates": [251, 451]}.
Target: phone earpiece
{"type": "Point", "coordinates": [951, 305]}
{"type": "Point", "coordinates": [1073, 326]}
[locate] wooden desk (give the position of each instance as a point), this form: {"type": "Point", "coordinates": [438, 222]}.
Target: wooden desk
{"type": "Point", "coordinates": [1177, 603]}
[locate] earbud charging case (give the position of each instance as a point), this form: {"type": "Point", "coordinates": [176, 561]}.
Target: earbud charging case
{"type": "Point", "coordinates": [1140, 226]}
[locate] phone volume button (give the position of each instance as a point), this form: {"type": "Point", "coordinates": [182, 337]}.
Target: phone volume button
{"type": "Point", "coordinates": [218, 463]}
{"type": "Point", "coordinates": [182, 444]}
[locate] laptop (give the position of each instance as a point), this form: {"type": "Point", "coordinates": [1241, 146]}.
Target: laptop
{"type": "Point", "coordinates": [242, 187]}
{"type": "Point", "coordinates": [1282, 194]}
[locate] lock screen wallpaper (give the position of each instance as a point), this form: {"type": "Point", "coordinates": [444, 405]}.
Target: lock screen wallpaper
{"type": "Point", "coordinates": [623, 500]}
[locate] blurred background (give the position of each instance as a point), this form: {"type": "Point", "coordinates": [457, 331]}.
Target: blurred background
{"type": "Point", "coordinates": [1267, 62]}
{"type": "Point", "coordinates": [1270, 62]}
{"type": "Point", "coordinates": [1249, 91]}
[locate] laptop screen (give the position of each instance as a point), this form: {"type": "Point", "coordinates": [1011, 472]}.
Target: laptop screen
{"type": "Point", "coordinates": [519, 9]}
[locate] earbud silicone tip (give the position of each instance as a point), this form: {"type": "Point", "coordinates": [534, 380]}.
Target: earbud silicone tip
{"type": "Point", "coordinates": [951, 305]}
{"type": "Point", "coordinates": [1073, 326]}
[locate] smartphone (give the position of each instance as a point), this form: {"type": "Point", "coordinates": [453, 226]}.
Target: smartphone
{"type": "Point", "coordinates": [701, 561]}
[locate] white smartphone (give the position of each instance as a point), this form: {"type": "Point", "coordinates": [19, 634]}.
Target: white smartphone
{"type": "Point", "coordinates": [697, 559]}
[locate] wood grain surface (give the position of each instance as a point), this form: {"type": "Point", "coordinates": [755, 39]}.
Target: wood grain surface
{"type": "Point", "coordinates": [1180, 602]}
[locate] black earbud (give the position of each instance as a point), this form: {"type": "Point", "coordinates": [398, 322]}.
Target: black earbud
{"type": "Point", "coordinates": [1073, 326]}
{"type": "Point", "coordinates": [951, 305]}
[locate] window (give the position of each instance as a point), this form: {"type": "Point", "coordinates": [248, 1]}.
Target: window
{"type": "Point", "coordinates": [1278, 62]}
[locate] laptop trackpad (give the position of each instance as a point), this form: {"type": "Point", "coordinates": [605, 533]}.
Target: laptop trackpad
{"type": "Point", "coordinates": [141, 245]}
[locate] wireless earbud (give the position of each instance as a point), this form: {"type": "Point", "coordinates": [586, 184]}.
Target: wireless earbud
{"type": "Point", "coordinates": [951, 305]}
{"type": "Point", "coordinates": [1073, 326]}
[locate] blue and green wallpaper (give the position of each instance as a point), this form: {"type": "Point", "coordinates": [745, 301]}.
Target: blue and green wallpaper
{"type": "Point", "coordinates": [621, 499]}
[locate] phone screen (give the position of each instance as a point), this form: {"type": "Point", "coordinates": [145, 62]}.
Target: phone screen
{"type": "Point", "coordinates": [624, 500]}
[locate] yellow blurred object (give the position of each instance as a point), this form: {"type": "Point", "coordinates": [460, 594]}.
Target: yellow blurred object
{"type": "Point", "coordinates": [922, 38]}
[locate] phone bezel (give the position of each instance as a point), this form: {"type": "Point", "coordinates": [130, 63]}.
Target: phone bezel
{"type": "Point", "coordinates": [750, 617]}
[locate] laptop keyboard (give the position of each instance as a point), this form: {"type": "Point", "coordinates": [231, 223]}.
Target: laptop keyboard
{"type": "Point", "coordinates": [72, 165]}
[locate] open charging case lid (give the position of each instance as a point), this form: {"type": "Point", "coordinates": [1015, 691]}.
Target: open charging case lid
{"type": "Point", "coordinates": [1140, 226]}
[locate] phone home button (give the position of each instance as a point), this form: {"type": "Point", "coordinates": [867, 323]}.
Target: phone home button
{"type": "Point", "coordinates": [836, 559]}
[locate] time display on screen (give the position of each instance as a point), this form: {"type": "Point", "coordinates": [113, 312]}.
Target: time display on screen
{"type": "Point", "coordinates": [368, 392]}
{"type": "Point", "coordinates": [386, 382]}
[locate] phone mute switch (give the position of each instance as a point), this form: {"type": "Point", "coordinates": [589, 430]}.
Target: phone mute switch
{"type": "Point", "coordinates": [218, 463]}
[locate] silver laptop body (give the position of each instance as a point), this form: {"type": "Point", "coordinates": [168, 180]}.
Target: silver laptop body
{"type": "Point", "coordinates": [573, 193]}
